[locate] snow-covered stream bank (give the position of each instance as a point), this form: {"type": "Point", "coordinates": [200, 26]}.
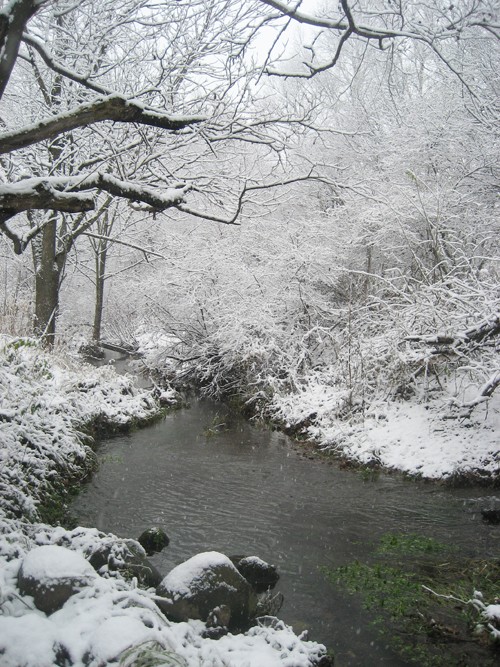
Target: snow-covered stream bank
{"type": "Point", "coordinates": [215, 481]}
{"type": "Point", "coordinates": [46, 401]}
{"type": "Point", "coordinates": [425, 414]}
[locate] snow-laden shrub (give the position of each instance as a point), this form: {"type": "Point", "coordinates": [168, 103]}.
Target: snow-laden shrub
{"type": "Point", "coordinates": [412, 385]}
{"type": "Point", "coordinates": [46, 403]}
{"type": "Point", "coordinates": [338, 374]}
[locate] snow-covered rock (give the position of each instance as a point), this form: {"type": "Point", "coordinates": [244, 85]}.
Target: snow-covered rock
{"type": "Point", "coordinates": [205, 581]}
{"type": "Point", "coordinates": [51, 575]}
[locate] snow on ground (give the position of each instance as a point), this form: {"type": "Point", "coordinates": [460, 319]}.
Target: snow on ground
{"type": "Point", "coordinates": [110, 617]}
{"type": "Point", "coordinates": [44, 401]}
{"type": "Point", "coordinates": [419, 438]}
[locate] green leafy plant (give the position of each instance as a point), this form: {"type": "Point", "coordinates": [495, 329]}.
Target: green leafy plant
{"type": "Point", "coordinates": [424, 600]}
{"type": "Point", "coordinates": [410, 544]}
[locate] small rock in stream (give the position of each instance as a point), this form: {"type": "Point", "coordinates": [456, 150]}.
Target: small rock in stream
{"type": "Point", "coordinates": [491, 516]}
{"type": "Point", "coordinates": [153, 540]}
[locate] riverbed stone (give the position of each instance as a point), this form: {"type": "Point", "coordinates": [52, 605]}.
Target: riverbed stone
{"type": "Point", "coordinates": [52, 574]}
{"type": "Point", "coordinates": [208, 580]}
{"type": "Point", "coordinates": [153, 540]}
{"type": "Point", "coordinates": [129, 559]}
{"type": "Point", "coordinates": [491, 516]}
{"type": "Point", "coordinates": [259, 574]}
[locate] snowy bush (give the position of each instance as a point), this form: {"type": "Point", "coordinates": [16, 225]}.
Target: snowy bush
{"type": "Point", "coordinates": [336, 354]}
{"type": "Point", "coordinates": [47, 402]}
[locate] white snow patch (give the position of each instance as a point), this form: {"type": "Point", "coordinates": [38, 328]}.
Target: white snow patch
{"type": "Point", "coordinates": [415, 438]}
{"type": "Point", "coordinates": [27, 641]}
{"type": "Point", "coordinates": [421, 438]}
{"type": "Point", "coordinates": [54, 562]}
{"type": "Point", "coordinates": [117, 634]}
{"type": "Point", "coordinates": [180, 580]}
{"type": "Point", "coordinates": [254, 560]}
{"type": "Point", "coordinates": [492, 612]}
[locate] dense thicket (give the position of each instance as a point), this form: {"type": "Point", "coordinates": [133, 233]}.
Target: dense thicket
{"type": "Point", "coordinates": [370, 273]}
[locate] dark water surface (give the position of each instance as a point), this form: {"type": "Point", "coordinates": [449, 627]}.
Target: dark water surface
{"type": "Point", "coordinates": [246, 491]}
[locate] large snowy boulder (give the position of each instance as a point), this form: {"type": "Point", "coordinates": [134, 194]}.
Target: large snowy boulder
{"type": "Point", "coordinates": [52, 574]}
{"type": "Point", "coordinates": [202, 583]}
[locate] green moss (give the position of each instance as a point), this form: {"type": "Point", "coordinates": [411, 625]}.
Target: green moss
{"type": "Point", "coordinates": [54, 507]}
{"type": "Point", "coordinates": [407, 544]}
{"type": "Point", "coordinates": [426, 627]}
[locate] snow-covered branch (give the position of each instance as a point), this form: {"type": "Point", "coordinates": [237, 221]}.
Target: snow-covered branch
{"type": "Point", "coordinates": [386, 24]}
{"type": "Point", "coordinates": [339, 25]}
{"type": "Point", "coordinates": [484, 330]}
{"type": "Point", "coordinates": [485, 393]}
{"type": "Point", "coordinates": [48, 59]}
{"type": "Point", "coordinates": [463, 343]}
{"type": "Point", "coordinates": [114, 107]}
{"type": "Point", "coordinates": [74, 195]}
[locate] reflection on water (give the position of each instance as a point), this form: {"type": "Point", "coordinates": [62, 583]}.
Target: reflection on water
{"type": "Point", "coordinates": [245, 491]}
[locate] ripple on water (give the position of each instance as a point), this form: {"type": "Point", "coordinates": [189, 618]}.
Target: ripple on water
{"type": "Point", "coordinates": [246, 491]}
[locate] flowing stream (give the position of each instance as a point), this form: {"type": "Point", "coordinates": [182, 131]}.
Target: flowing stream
{"type": "Point", "coordinates": [247, 490]}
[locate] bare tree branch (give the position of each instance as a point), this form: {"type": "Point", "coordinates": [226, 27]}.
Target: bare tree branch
{"type": "Point", "coordinates": [388, 25]}
{"type": "Point", "coordinates": [111, 239]}
{"type": "Point", "coordinates": [339, 25]}
{"type": "Point", "coordinates": [244, 192]}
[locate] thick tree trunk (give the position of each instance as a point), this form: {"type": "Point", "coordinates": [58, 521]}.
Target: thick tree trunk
{"type": "Point", "coordinates": [47, 283]}
{"type": "Point", "coordinates": [100, 276]}
{"type": "Point", "coordinates": [13, 20]}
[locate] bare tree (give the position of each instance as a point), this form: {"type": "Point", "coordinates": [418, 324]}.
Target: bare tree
{"type": "Point", "coordinates": [383, 24]}
{"type": "Point", "coordinates": [142, 101]}
{"type": "Point", "coordinates": [134, 99]}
